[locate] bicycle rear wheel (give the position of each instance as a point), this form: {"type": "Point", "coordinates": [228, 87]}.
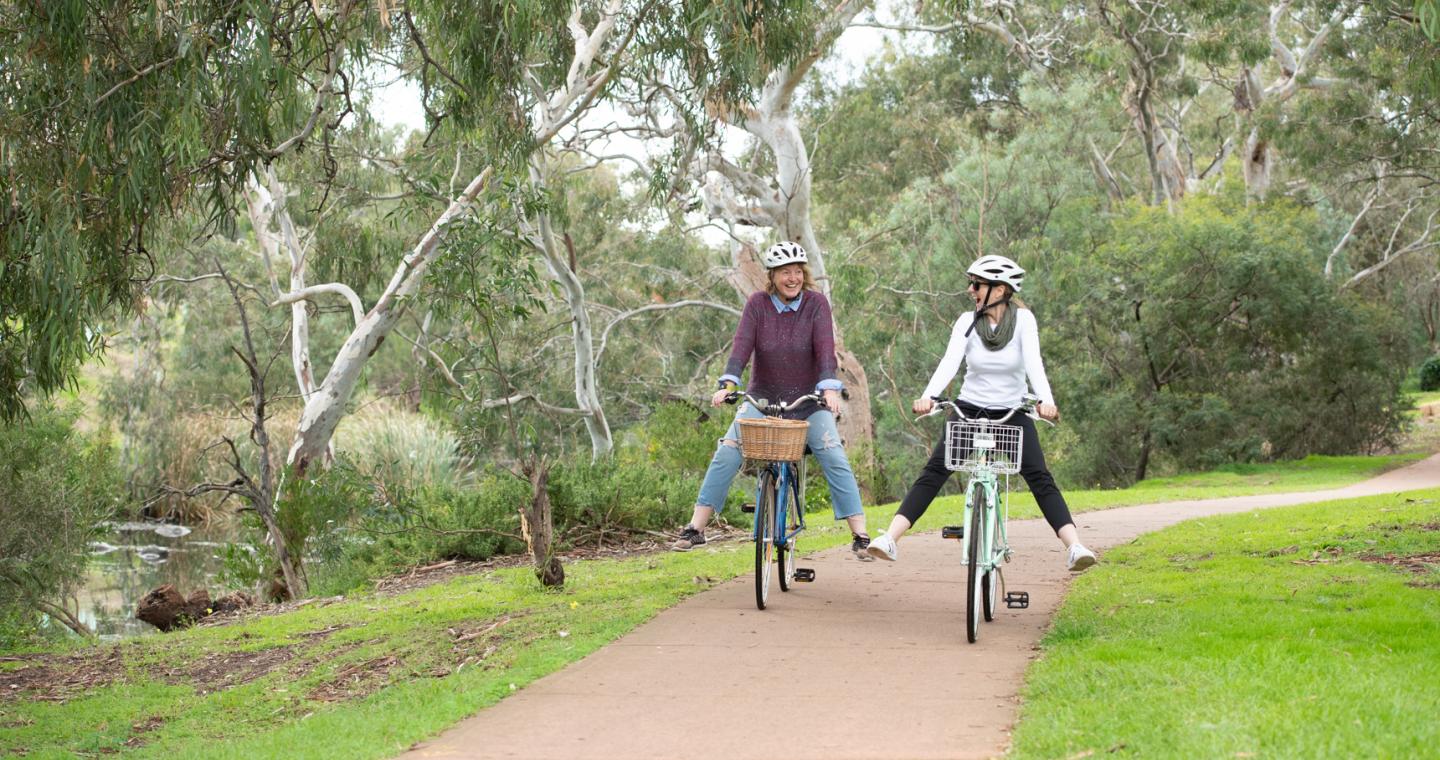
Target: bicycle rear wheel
{"type": "Point", "coordinates": [974, 594]}
{"type": "Point", "coordinates": [764, 536]}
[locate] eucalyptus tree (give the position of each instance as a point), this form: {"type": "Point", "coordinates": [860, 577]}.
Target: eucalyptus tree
{"type": "Point", "coordinates": [779, 195]}
{"type": "Point", "coordinates": [115, 114]}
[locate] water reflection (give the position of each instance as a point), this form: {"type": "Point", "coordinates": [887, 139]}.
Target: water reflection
{"type": "Point", "coordinates": [132, 558]}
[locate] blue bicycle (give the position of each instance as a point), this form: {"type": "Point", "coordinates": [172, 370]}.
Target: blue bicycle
{"type": "Point", "coordinates": [777, 446]}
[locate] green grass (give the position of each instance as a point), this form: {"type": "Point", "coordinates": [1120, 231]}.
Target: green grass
{"type": "Point", "coordinates": [1421, 398]}
{"type": "Point", "coordinates": [1255, 635]}
{"type": "Point", "coordinates": [1312, 473]}
{"type": "Point", "coordinates": [434, 681]}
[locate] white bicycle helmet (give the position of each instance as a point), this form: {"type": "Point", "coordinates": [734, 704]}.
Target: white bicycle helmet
{"type": "Point", "coordinates": [998, 269]}
{"type": "Point", "coordinates": [784, 252]}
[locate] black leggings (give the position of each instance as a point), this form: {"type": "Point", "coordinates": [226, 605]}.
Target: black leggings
{"type": "Point", "coordinates": [1032, 468]}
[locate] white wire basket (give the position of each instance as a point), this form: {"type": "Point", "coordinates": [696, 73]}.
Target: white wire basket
{"type": "Point", "coordinates": [982, 445]}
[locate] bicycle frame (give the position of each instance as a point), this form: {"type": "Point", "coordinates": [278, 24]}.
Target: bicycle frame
{"type": "Point", "coordinates": [996, 509]}
{"type": "Point", "coordinates": [789, 486]}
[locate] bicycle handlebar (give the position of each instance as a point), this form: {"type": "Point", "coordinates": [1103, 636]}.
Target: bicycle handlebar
{"type": "Point", "coordinates": [1028, 402]}
{"type": "Point", "coordinates": [768, 407]}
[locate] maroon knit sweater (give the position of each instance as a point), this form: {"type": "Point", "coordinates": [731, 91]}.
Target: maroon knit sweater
{"type": "Point", "coordinates": [794, 350]}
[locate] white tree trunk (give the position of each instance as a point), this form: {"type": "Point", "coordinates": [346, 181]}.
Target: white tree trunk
{"type": "Point", "coordinates": [325, 407]}
{"type": "Point", "coordinates": [587, 391]}
{"type": "Point", "coordinates": [784, 204]}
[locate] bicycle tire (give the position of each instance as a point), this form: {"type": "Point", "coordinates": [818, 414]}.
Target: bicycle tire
{"type": "Point", "coordinates": [785, 555]}
{"type": "Point", "coordinates": [990, 584]}
{"type": "Point", "coordinates": [764, 536]}
{"type": "Point", "coordinates": [974, 595]}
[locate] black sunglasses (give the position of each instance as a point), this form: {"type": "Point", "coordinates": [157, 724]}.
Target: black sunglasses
{"type": "Point", "coordinates": [977, 284]}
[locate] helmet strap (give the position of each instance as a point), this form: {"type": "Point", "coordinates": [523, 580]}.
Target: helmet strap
{"type": "Point", "coordinates": [980, 310]}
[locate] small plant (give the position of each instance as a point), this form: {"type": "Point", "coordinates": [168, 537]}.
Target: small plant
{"type": "Point", "coordinates": [1430, 374]}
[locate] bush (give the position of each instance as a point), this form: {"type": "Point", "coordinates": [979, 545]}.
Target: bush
{"type": "Point", "coordinates": [1182, 341]}
{"type": "Point", "coordinates": [1430, 374]}
{"type": "Point", "coordinates": [56, 486]}
{"type": "Point", "coordinates": [393, 445]}
{"type": "Point", "coordinates": [621, 495]}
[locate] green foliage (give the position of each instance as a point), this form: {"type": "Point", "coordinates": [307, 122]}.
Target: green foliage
{"type": "Point", "coordinates": [620, 495]}
{"type": "Point", "coordinates": [1209, 335]}
{"type": "Point", "coordinates": [1430, 374]}
{"type": "Point", "coordinates": [389, 445]}
{"type": "Point", "coordinates": [111, 118]}
{"type": "Point", "coordinates": [56, 486]}
{"type": "Point", "coordinates": [680, 437]}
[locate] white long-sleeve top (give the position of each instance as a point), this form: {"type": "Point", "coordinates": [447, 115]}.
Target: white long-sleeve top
{"type": "Point", "coordinates": [993, 378]}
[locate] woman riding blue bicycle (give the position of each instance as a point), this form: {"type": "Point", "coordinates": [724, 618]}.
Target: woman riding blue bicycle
{"type": "Point", "coordinates": [788, 328]}
{"type": "Point", "coordinates": [999, 344]}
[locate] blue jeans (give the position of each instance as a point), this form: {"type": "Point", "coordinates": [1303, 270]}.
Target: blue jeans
{"type": "Point", "coordinates": [824, 442]}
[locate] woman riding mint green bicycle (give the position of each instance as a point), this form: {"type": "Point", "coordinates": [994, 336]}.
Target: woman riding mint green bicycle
{"type": "Point", "coordinates": [985, 448]}
{"type": "Point", "coordinates": [999, 345]}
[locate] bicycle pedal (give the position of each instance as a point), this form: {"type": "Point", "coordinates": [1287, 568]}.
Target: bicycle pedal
{"type": "Point", "coordinates": [747, 508]}
{"type": "Point", "coordinates": [1017, 600]}
{"type": "Point", "coordinates": [804, 575]}
{"type": "Point", "coordinates": [953, 531]}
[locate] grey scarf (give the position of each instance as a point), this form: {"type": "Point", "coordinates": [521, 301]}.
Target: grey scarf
{"type": "Point", "coordinates": [998, 336]}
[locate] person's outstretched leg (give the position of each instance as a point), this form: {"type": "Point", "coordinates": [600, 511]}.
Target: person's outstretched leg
{"type": "Point", "coordinates": [1052, 502]}
{"type": "Point", "coordinates": [715, 489]}
{"type": "Point", "coordinates": [824, 442]}
{"type": "Point", "coordinates": [932, 478]}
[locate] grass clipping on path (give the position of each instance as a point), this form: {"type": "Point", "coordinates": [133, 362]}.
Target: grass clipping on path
{"type": "Point", "coordinates": [1294, 632]}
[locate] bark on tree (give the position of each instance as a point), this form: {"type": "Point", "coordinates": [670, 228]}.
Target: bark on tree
{"type": "Point", "coordinates": [537, 525]}
{"type": "Point", "coordinates": [583, 82]}
{"type": "Point", "coordinates": [1258, 160]}
{"type": "Point", "coordinates": [587, 391]}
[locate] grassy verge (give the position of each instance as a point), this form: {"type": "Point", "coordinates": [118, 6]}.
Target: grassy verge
{"type": "Point", "coordinates": [1267, 634]}
{"type": "Point", "coordinates": [369, 675]}
{"type": "Point", "coordinates": [1312, 473]}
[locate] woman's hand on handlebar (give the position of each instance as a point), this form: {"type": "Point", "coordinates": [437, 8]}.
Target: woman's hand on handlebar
{"type": "Point", "coordinates": [721, 396]}
{"type": "Point", "coordinates": [922, 405]}
{"type": "Point", "coordinates": [1048, 412]}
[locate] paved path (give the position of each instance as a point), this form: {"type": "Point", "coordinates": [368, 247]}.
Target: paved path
{"type": "Point", "coordinates": [870, 649]}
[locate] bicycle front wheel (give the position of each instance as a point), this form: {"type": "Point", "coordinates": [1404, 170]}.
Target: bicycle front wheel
{"type": "Point", "coordinates": [974, 594]}
{"type": "Point", "coordinates": [786, 553]}
{"type": "Point", "coordinates": [764, 536]}
{"type": "Point", "coordinates": [990, 584]}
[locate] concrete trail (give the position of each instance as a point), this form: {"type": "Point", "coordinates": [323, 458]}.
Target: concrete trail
{"type": "Point", "coordinates": [870, 661]}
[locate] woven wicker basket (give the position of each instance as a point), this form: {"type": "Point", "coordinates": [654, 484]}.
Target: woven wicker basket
{"type": "Point", "coordinates": [772, 438]}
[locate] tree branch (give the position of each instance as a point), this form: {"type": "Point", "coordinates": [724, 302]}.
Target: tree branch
{"type": "Point", "coordinates": [605, 334]}
{"type": "Point", "coordinates": [338, 288]}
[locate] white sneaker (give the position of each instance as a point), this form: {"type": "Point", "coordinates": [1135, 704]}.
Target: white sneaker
{"type": "Point", "coordinates": [1080, 558]}
{"type": "Point", "coordinates": [884, 548]}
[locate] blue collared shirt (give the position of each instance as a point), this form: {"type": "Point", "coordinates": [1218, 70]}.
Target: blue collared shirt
{"type": "Point", "coordinates": [781, 306]}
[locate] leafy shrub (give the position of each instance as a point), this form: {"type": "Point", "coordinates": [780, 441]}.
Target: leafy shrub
{"type": "Point", "coordinates": [56, 486]}
{"type": "Point", "coordinates": [394, 445]}
{"type": "Point", "coordinates": [1182, 341]}
{"type": "Point", "coordinates": [623, 494]}
{"type": "Point", "coordinates": [1430, 374]}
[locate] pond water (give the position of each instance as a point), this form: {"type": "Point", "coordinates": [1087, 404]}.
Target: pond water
{"type": "Point", "coordinates": [132, 558]}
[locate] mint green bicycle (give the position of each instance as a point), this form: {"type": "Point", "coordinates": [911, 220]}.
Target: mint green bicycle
{"type": "Point", "coordinates": [985, 449]}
